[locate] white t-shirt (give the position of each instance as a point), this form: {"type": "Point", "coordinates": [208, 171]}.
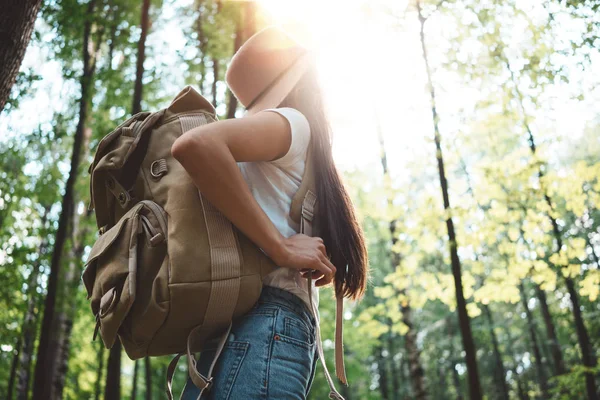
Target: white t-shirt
{"type": "Point", "coordinates": [273, 184]}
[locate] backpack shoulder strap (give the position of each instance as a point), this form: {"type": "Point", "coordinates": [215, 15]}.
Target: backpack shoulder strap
{"type": "Point", "coordinates": [307, 187]}
{"type": "Point", "coordinates": [302, 211]}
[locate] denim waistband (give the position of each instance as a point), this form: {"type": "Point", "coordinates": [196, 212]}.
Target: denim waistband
{"type": "Point", "coordinates": [272, 294]}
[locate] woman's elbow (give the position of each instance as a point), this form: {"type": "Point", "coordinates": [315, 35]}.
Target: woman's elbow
{"type": "Point", "coordinates": [191, 144]}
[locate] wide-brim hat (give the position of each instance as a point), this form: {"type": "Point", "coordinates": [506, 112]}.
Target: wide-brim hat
{"type": "Point", "coordinates": [266, 68]}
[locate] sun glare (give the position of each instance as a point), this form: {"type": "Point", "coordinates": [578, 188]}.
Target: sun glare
{"type": "Point", "coordinates": [359, 46]}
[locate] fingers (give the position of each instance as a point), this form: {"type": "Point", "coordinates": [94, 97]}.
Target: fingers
{"type": "Point", "coordinates": [326, 273]}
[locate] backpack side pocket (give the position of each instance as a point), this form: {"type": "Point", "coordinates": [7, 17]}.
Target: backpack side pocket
{"type": "Point", "coordinates": [110, 274]}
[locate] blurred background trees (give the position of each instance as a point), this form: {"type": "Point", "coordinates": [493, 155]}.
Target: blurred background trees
{"type": "Point", "coordinates": [469, 136]}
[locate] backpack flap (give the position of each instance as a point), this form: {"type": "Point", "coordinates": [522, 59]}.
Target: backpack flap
{"type": "Point", "coordinates": [110, 274]}
{"type": "Point", "coordinates": [189, 100]}
{"type": "Point", "coordinates": [112, 154]}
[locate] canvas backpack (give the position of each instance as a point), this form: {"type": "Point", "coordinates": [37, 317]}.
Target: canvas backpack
{"type": "Point", "coordinates": [168, 272]}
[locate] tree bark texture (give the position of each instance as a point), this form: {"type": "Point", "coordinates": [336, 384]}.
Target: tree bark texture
{"type": "Point", "coordinates": [112, 389]}
{"type": "Point", "coordinates": [17, 19]}
{"type": "Point", "coordinates": [148, 370]}
{"type": "Point", "coordinates": [555, 350]}
{"type": "Point", "coordinates": [461, 305]}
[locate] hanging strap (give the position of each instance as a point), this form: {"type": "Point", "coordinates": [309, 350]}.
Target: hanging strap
{"type": "Point", "coordinates": [202, 382]}
{"type": "Point", "coordinates": [308, 206]}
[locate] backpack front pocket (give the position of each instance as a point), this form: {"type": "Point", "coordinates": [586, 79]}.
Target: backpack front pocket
{"type": "Point", "coordinates": [111, 270]}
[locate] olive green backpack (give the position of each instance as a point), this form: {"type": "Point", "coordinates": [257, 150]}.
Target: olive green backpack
{"type": "Point", "coordinates": [168, 272]}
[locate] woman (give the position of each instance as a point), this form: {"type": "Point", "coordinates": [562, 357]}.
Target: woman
{"type": "Point", "coordinates": [250, 168]}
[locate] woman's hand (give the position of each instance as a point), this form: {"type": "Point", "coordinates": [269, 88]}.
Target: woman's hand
{"type": "Point", "coordinates": [306, 253]}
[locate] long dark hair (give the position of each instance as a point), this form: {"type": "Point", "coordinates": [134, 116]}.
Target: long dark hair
{"type": "Point", "coordinates": [338, 227]}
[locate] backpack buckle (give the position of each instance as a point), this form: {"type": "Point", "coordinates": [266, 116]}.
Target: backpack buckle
{"type": "Point", "coordinates": [209, 383]}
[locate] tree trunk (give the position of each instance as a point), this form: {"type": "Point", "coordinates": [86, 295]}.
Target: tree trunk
{"type": "Point", "coordinates": [383, 374]}
{"type": "Point", "coordinates": [249, 19]}
{"type": "Point", "coordinates": [245, 28]}
{"type": "Point", "coordinates": [522, 390]}
{"type": "Point", "coordinates": [148, 368]}
{"type": "Point", "coordinates": [48, 345]}
{"type": "Point", "coordinates": [461, 305]}
{"type": "Point", "coordinates": [416, 371]}
{"type": "Point", "coordinates": [137, 92]}
{"type": "Point", "coordinates": [455, 377]}
{"type": "Point", "coordinates": [17, 20]}
{"type": "Point", "coordinates": [522, 386]}
{"type": "Point", "coordinates": [215, 63]}
{"type": "Point", "coordinates": [29, 323]}
{"type": "Point", "coordinates": [534, 342]}
{"type": "Point", "coordinates": [557, 358]}
{"type": "Point", "coordinates": [134, 382]}
{"type": "Point", "coordinates": [588, 354]}
{"type": "Point", "coordinates": [62, 361]}
{"type": "Point", "coordinates": [395, 374]}
{"type": "Point", "coordinates": [500, 372]}
{"type": "Point", "coordinates": [232, 101]}
{"type": "Point", "coordinates": [99, 371]}
{"type": "Point", "coordinates": [201, 43]}
{"type": "Point", "coordinates": [112, 390]}
{"type": "Point", "coordinates": [13, 367]}
{"type": "Point", "coordinates": [72, 280]}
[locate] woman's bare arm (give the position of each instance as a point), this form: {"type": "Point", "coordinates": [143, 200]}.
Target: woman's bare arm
{"type": "Point", "coordinates": [209, 154]}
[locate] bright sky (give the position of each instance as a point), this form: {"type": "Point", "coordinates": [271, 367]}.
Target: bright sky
{"type": "Point", "coordinates": [371, 67]}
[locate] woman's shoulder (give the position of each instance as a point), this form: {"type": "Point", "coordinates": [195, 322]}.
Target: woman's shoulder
{"type": "Point", "coordinates": [294, 117]}
{"type": "Point", "coordinates": [300, 134]}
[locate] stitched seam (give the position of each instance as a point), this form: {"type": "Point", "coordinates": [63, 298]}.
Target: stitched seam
{"type": "Point", "coordinates": [237, 365]}
{"type": "Point", "coordinates": [271, 343]}
{"type": "Point", "coordinates": [289, 325]}
{"type": "Point", "coordinates": [296, 342]}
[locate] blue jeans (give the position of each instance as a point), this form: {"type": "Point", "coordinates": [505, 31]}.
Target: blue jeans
{"type": "Point", "coordinates": [269, 354]}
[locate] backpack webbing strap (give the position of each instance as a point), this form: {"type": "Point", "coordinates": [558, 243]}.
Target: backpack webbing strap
{"type": "Point", "coordinates": [226, 265]}
{"type": "Point", "coordinates": [307, 184]}
{"type": "Point", "coordinates": [307, 213]}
